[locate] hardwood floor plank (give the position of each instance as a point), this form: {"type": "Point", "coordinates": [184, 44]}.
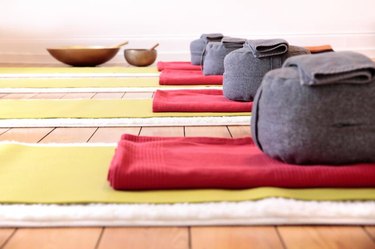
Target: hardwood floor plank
{"type": "Point", "coordinates": [69, 135]}
{"type": "Point", "coordinates": [138, 95]}
{"type": "Point", "coordinates": [371, 231]}
{"type": "Point", "coordinates": [145, 238]}
{"type": "Point", "coordinates": [239, 130]}
{"type": "Point", "coordinates": [3, 130]}
{"type": "Point", "coordinates": [207, 131]}
{"type": "Point", "coordinates": [78, 96]}
{"type": "Point", "coordinates": [235, 237]}
{"type": "Point", "coordinates": [177, 131]}
{"type": "Point", "coordinates": [56, 238]}
{"type": "Point", "coordinates": [5, 234]}
{"type": "Point", "coordinates": [108, 95]}
{"type": "Point", "coordinates": [112, 134]}
{"type": "Point", "coordinates": [26, 135]}
{"type": "Point", "coordinates": [326, 237]}
{"type": "Point", "coordinates": [48, 96]}
{"type": "Point", "coordinates": [18, 96]}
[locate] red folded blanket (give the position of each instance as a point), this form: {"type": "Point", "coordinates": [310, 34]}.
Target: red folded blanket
{"type": "Point", "coordinates": [177, 65]}
{"type": "Point", "coordinates": [188, 77]}
{"type": "Point", "coordinates": [142, 163]}
{"type": "Point", "coordinates": [205, 100]}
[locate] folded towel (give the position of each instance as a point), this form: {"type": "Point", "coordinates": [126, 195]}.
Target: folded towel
{"type": "Point", "coordinates": [266, 48]}
{"type": "Point", "coordinates": [232, 42]}
{"type": "Point", "coordinates": [145, 163]}
{"type": "Point", "coordinates": [188, 77]}
{"type": "Point", "coordinates": [212, 36]}
{"type": "Point", "coordinates": [197, 46]}
{"type": "Point", "coordinates": [320, 49]}
{"type": "Point", "coordinates": [333, 68]}
{"type": "Point", "coordinates": [206, 100]}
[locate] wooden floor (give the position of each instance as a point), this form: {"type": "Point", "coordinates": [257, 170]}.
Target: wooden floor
{"type": "Point", "coordinates": [232, 237]}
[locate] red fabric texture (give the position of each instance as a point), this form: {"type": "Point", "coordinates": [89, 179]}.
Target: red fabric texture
{"type": "Point", "coordinates": [177, 65]}
{"type": "Point", "coordinates": [188, 77]}
{"type": "Point", "coordinates": [150, 163]}
{"type": "Point", "coordinates": [204, 100]}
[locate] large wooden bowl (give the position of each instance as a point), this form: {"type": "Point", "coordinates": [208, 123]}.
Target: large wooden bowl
{"type": "Point", "coordinates": [83, 56]}
{"type": "Point", "coordinates": [140, 57]}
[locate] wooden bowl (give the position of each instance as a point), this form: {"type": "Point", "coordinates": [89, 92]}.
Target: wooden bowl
{"type": "Point", "coordinates": [83, 56]}
{"type": "Point", "coordinates": [140, 57]}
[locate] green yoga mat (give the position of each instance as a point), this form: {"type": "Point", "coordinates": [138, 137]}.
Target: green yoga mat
{"type": "Point", "coordinates": [75, 70]}
{"type": "Point", "coordinates": [112, 82]}
{"type": "Point", "coordinates": [91, 108]}
{"type": "Point", "coordinates": [77, 174]}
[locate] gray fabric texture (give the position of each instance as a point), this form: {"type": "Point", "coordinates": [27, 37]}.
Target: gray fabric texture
{"type": "Point", "coordinates": [266, 48]}
{"type": "Point", "coordinates": [215, 52]}
{"type": "Point", "coordinates": [350, 67]}
{"type": "Point", "coordinates": [243, 73]}
{"type": "Point", "coordinates": [331, 123]}
{"type": "Point", "coordinates": [198, 46]}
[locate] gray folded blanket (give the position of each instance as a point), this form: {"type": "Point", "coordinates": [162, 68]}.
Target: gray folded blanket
{"type": "Point", "coordinates": [243, 72]}
{"type": "Point", "coordinates": [215, 52]}
{"type": "Point", "coordinates": [269, 47]}
{"type": "Point", "coordinates": [310, 122]}
{"type": "Point", "coordinates": [349, 67]}
{"type": "Point", "coordinates": [198, 46]}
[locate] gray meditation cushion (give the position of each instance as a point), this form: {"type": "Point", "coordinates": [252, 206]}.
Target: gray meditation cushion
{"type": "Point", "coordinates": [215, 52]}
{"type": "Point", "coordinates": [317, 109]}
{"type": "Point", "coordinates": [243, 71]}
{"type": "Point", "coordinates": [198, 46]}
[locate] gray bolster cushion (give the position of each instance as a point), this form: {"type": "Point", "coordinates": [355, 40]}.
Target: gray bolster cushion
{"type": "Point", "coordinates": [243, 72]}
{"type": "Point", "coordinates": [213, 59]}
{"type": "Point", "coordinates": [197, 46]}
{"type": "Point", "coordinates": [317, 109]}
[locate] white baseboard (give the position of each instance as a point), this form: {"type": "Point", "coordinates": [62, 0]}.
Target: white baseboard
{"type": "Point", "coordinates": [33, 51]}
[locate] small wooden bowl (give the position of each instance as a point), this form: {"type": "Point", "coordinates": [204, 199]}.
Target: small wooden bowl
{"type": "Point", "coordinates": [140, 57]}
{"type": "Point", "coordinates": [83, 56]}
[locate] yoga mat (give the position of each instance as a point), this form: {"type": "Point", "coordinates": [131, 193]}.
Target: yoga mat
{"type": "Point", "coordinates": [142, 83]}
{"type": "Point", "coordinates": [205, 100]}
{"type": "Point", "coordinates": [79, 82]}
{"type": "Point", "coordinates": [104, 112]}
{"type": "Point", "coordinates": [90, 108]}
{"type": "Point", "coordinates": [67, 173]}
{"type": "Point", "coordinates": [18, 72]}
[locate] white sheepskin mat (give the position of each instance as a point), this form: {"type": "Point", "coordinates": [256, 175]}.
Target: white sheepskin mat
{"type": "Point", "coordinates": [101, 89]}
{"type": "Point", "coordinates": [75, 75]}
{"type": "Point", "coordinates": [112, 122]}
{"type": "Point", "coordinates": [271, 211]}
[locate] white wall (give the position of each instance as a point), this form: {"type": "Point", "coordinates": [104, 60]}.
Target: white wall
{"type": "Point", "coordinates": [27, 27]}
